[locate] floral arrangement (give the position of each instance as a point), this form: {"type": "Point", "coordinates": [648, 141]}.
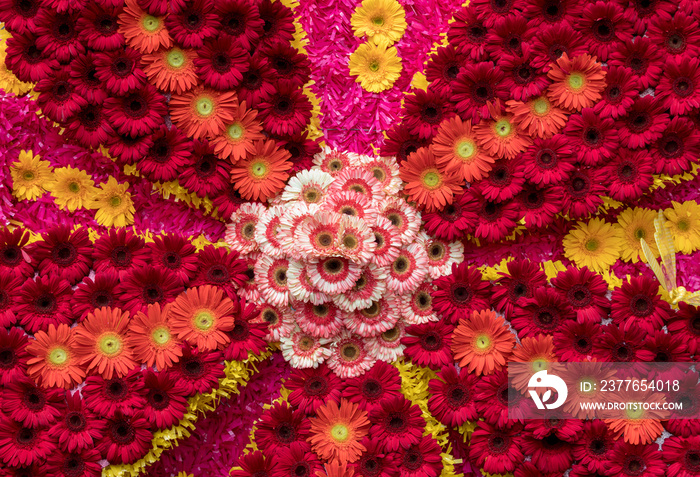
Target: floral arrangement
{"type": "Point", "coordinates": [265, 238]}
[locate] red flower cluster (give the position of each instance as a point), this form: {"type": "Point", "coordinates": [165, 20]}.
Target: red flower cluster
{"type": "Point", "coordinates": [518, 109]}
{"type": "Point", "coordinates": [183, 90]}
{"type": "Point", "coordinates": [114, 318]}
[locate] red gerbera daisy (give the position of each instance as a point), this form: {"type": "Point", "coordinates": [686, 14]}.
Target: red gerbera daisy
{"type": "Point", "coordinates": [543, 13]}
{"type": "Point", "coordinates": [175, 253]}
{"type": "Point", "coordinates": [77, 428]}
{"type": "Point", "coordinates": [279, 427]}
{"type": "Point", "coordinates": [301, 150]}
{"type": "Point", "coordinates": [18, 16]}
{"type": "Point", "coordinates": [682, 456]}
{"type": "Point", "coordinates": [507, 37]}
{"type": "Point", "coordinates": [429, 344]}
{"type": "Point", "coordinates": [58, 97]}
{"type": "Point", "coordinates": [679, 88]}
{"type": "Point", "coordinates": [441, 72]}
{"type": "Point", "coordinates": [585, 292]}
{"type": "Point", "coordinates": [583, 192]}
{"type": "Point", "coordinates": [13, 362]}
{"type": "Point", "coordinates": [247, 335]}
{"type": "Point", "coordinates": [118, 251]}
{"type": "Point", "coordinates": [278, 22]}
{"type": "Point", "coordinates": [375, 461]}
{"type": "Point", "coordinates": [9, 292]}
{"type": "Point", "coordinates": [58, 34]}
{"type": "Point", "coordinates": [663, 347]}
{"type": "Point", "coordinates": [107, 397]}
{"type": "Point", "coordinates": [637, 302]}
{"type": "Point", "coordinates": [23, 446]}
{"type": "Point", "coordinates": [28, 61]}
{"type": "Point", "coordinates": [84, 78]}
{"type": "Point", "coordinates": [551, 42]}
{"type": "Point", "coordinates": [518, 282]}
{"type": "Point", "coordinates": [604, 27]}
{"type": "Point", "coordinates": [638, 460]}
{"type": "Point", "coordinates": [686, 325]}
{"type": "Point", "coordinates": [543, 313]}
{"type": "Point", "coordinates": [398, 423]}
{"type": "Point", "coordinates": [468, 34]}
{"type": "Point", "coordinates": [496, 450]}
{"type": "Point", "coordinates": [495, 219]}
{"type": "Point", "coordinates": [494, 397]}
{"type": "Point", "coordinates": [643, 57]}
{"type": "Point", "coordinates": [128, 150]}
{"type": "Point", "coordinates": [677, 148]}
{"type": "Point", "coordinates": [31, 406]}
{"type": "Point", "coordinates": [550, 454]}
{"type": "Point", "coordinates": [521, 77]}
{"type": "Point", "coordinates": [459, 294]}
{"type": "Point", "coordinates": [141, 287]}
{"type": "Point", "coordinates": [616, 345]}
{"type": "Point", "coordinates": [90, 126]}
{"type": "Point", "coordinates": [240, 21]}
{"type": "Point", "coordinates": [221, 63]}
{"type": "Point", "coordinates": [85, 463]}
{"type": "Point", "coordinates": [595, 446]}
{"type": "Point", "coordinates": [621, 89]}
{"type": "Point", "coordinates": [287, 111]}
{"type": "Point", "coordinates": [258, 82]}
{"type": "Point", "coordinates": [455, 221]}
{"type": "Point", "coordinates": [166, 156]}
{"type": "Point", "coordinates": [43, 302]}
{"type": "Point", "coordinates": [97, 292]}
{"type": "Point", "coordinates": [138, 113]}
{"type": "Point", "coordinates": [491, 12]}
{"type": "Point", "coordinates": [678, 34]}
{"type": "Point", "coordinates": [422, 460]}
{"type": "Point", "coordinates": [204, 173]}
{"type": "Point", "coordinates": [165, 399]}
{"type": "Point", "coordinates": [193, 24]}
{"type": "Point", "coordinates": [63, 253]}
{"type": "Point", "coordinates": [629, 175]}
{"type": "Point", "coordinates": [198, 371]}
{"type": "Point", "coordinates": [373, 388]}
{"type": "Point", "coordinates": [220, 267]}
{"type": "Point", "coordinates": [424, 111]}
{"type": "Point", "coordinates": [400, 143]}
{"type": "Point", "coordinates": [119, 71]}
{"type": "Point", "coordinates": [539, 206]}
{"type": "Point", "coordinates": [253, 464]}
{"type": "Point", "coordinates": [644, 123]}
{"type": "Point", "coordinates": [126, 438]}
{"type": "Point", "coordinates": [310, 388]}
{"type": "Point", "coordinates": [452, 397]}
{"type": "Point", "coordinates": [594, 139]}
{"type": "Point", "coordinates": [573, 341]}
{"type": "Point", "coordinates": [14, 259]}
{"type": "Point", "coordinates": [477, 86]}
{"type": "Point", "coordinates": [98, 27]}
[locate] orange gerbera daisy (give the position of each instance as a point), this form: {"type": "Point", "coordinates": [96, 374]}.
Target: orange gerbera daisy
{"type": "Point", "coordinates": [538, 117]}
{"type": "Point", "coordinates": [238, 136]}
{"type": "Point", "coordinates": [262, 173]}
{"type": "Point", "coordinates": [337, 431]}
{"type": "Point", "coordinates": [483, 343]}
{"type": "Point", "coordinates": [171, 69]}
{"type": "Point", "coordinates": [427, 184]}
{"type": "Point", "coordinates": [641, 426]}
{"type": "Point", "coordinates": [500, 136]}
{"type": "Point", "coordinates": [54, 363]}
{"type": "Point", "coordinates": [143, 31]}
{"type": "Point", "coordinates": [201, 315]}
{"type": "Point", "coordinates": [203, 112]}
{"type": "Point", "coordinates": [577, 83]}
{"type": "Point", "coordinates": [539, 351]}
{"type": "Point", "coordinates": [153, 339]}
{"type": "Point", "coordinates": [455, 148]}
{"type": "Point", "coordinates": [102, 345]}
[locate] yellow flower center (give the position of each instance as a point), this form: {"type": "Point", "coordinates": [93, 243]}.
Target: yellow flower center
{"type": "Point", "coordinates": [74, 187]}
{"type": "Point", "coordinates": [28, 175]}
{"type": "Point", "coordinates": [340, 432]}
{"type": "Point", "coordinates": [175, 59]}
{"type": "Point", "coordinates": [150, 23]}
{"type": "Point", "coordinates": [503, 127]}
{"type": "Point", "coordinates": [539, 364]}
{"type": "Point", "coordinates": [634, 413]}
{"type": "Point", "coordinates": [379, 21]}
{"type": "Point", "coordinates": [592, 245]}
{"type": "Point", "coordinates": [431, 179]}
{"type": "Point", "coordinates": [58, 356]}
{"type": "Point", "coordinates": [683, 225]}
{"type": "Point", "coordinates": [235, 131]}
{"type": "Point", "coordinates": [576, 81]}
{"type": "Point", "coordinates": [204, 320]}
{"type": "Point", "coordinates": [115, 201]}
{"type": "Point", "coordinates": [466, 149]}
{"type": "Point", "coordinates": [204, 106]}
{"type": "Point", "coordinates": [161, 335]}
{"type": "Point", "coordinates": [110, 344]}
{"type": "Point", "coordinates": [483, 342]}
{"type": "Point", "coordinates": [540, 106]}
{"type": "Point", "coordinates": [374, 66]}
{"type": "Point", "coordinates": [259, 169]}
{"type": "Point", "coordinates": [639, 234]}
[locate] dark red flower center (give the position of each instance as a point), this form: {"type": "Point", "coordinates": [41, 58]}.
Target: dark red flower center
{"type": "Point", "coordinates": [597, 446]}
{"type": "Point", "coordinates": [450, 71]}
{"type": "Point", "coordinates": [641, 305]}
{"type": "Point", "coordinates": [8, 358]}
{"type": "Point", "coordinates": [683, 86]}
{"type": "Point", "coordinates": [431, 341]}
{"type": "Point", "coordinates": [671, 145]}
{"type": "Point", "coordinates": [122, 432]}
{"type": "Point", "coordinates": [122, 66]}
{"type": "Point", "coordinates": [316, 386]}
{"type": "Point", "coordinates": [284, 106]}
{"type": "Point", "coordinates": [579, 185]}
{"type": "Point", "coordinates": [692, 460]}
{"type": "Point", "coordinates": [283, 65]}
{"type": "Point", "coordinates": [45, 303]}
{"type": "Point", "coordinates": [11, 256]}
{"type": "Point", "coordinates": [34, 399]}
{"type": "Point", "coordinates": [500, 176]}
{"type": "Point", "coordinates": [627, 171]}
{"type": "Point", "coordinates": [63, 29]}
{"type": "Point", "coordinates": [106, 25]}
{"type": "Point", "coordinates": [240, 331]}
{"type": "Point", "coordinates": [637, 63]}
{"type": "Point", "coordinates": [408, 147]}
{"type": "Point", "coordinates": [476, 33]}
{"type": "Point", "coordinates": [193, 367]}
{"type": "Point", "coordinates": [482, 92]}
{"type": "Point", "coordinates": [552, 11]}
{"type": "Point", "coordinates": [25, 437]}
{"type": "Point", "coordinates": [634, 465]}
{"type": "Point", "coordinates": [490, 211]}
{"type": "Point", "coordinates": [4, 300]}
{"type": "Point", "coordinates": [218, 274]}
{"type": "Point", "coordinates": [370, 465]}
{"type": "Point", "coordinates": [300, 469]}
{"type": "Point", "coordinates": [546, 319]}
{"type": "Point", "coordinates": [431, 113]}
{"type": "Point", "coordinates": [252, 80]}
{"type": "Point", "coordinates": [592, 137]}
{"type": "Point", "coordinates": [663, 356]}
{"type": "Point", "coordinates": [234, 23]}
{"type": "Point", "coordinates": [638, 121]}
{"type": "Point", "coordinates": [457, 395]}
{"type": "Point", "coordinates": [512, 42]}
{"type": "Point", "coordinates": [101, 299]}
{"type": "Point", "coordinates": [285, 432]}
{"type": "Point", "coordinates": [498, 443]}
{"type": "Point", "coordinates": [395, 423]}
{"type": "Point", "coordinates": [135, 106]}
{"type": "Point", "coordinates": [413, 458]}
{"type": "Point", "coordinates": [372, 389]}
{"type": "Point", "coordinates": [75, 421]}
{"type": "Point", "coordinates": [552, 443]}
{"type": "Point", "coordinates": [171, 260]}
{"type": "Point", "coordinates": [534, 198]}
{"type": "Point", "coordinates": [152, 293]}
{"type": "Point", "coordinates": [116, 389]}
{"type": "Point", "coordinates": [518, 289]}
{"type": "Point", "coordinates": [556, 50]}
{"type": "Point", "coordinates": [603, 30]}
{"type": "Point", "coordinates": [523, 74]}
{"type": "Point", "coordinates": [158, 399]}
{"type": "Point", "coordinates": [583, 344]}
{"type": "Point", "coordinates": [613, 94]}
{"type": "Point", "coordinates": [192, 20]}
{"type": "Point", "coordinates": [675, 42]}
{"type": "Point", "coordinates": [546, 159]}
{"type": "Point", "coordinates": [61, 91]}
{"type": "Point", "coordinates": [694, 324]}
{"type": "Point", "coordinates": [205, 167]}
{"type": "Point", "coordinates": [461, 293]}
{"type": "Point", "coordinates": [501, 6]}
{"type": "Point", "coordinates": [32, 54]}
{"type": "Point", "coordinates": [579, 296]}
{"type": "Point", "coordinates": [160, 151]}
{"type": "Point", "coordinates": [90, 117]}
{"type": "Point", "coordinates": [221, 62]}
{"type": "Point", "coordinates": [622, 352]}
{"type": "Point", "coordinates": [64, 254]}
{"type": "Point", "coordinates": [26, 8]}
{"type": "Point", "coordinates": [73, 466]}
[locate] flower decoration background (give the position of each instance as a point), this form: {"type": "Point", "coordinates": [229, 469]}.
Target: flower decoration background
{"type": "Point", "coordinates": [244, 239]}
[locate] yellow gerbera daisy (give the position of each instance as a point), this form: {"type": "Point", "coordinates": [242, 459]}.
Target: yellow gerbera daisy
{"type": "Point", "coordinates": [376, 67]}
{"type": "Point", "coordinates": [30, 176]}
{"type": "Point", "coordinates": [113, 204]}
{"type": "Point", "coordinates": [383, 21]}
{"type": "Point", "coordinates": [684, 222]}
{"type": "Point", "coordinates": [595, 244]}
{"type": "Point", "coordinates": [8, 81]}
{"type": "Point", "coordinates": [636, 224]}
{"type": "Point", "coordinates": [72, 189]}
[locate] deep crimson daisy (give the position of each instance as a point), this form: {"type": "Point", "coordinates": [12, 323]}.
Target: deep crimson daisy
{"type": "Point", "coordinates": [679, 88]}
{"type": "Point", "coordinates": [663, 347]}
{"type": "Point", "coordinates": [544, 313]}
{"type": "Point", "coordinates": [240, 21]}
{"type": "Point", "coordinates": [141, 287]}
{"type": "Point", "coordinates": [65, 5]}
{"type": "Point", "coordinates": [398, 423]}
{"type": "Point", "coordinates": [301, 150]}
{"type": "Point", "coordinates": [441, 72]}
{"type": "Point", "coordinates": [44, 301]}
{"type": "Point", "coordinates": [538, 206]}
{"type": "Point", "coordinates": [221, 63]}
{"type": "Point", "coordinates": [286, 111]}
{"type": "Point", "coordinates": [13, 355]}
{"type": "Point", "coordinates": [228, 201]}
{"type": "Point", "coordinates": [496, 219]}
{"type": "Point", "coordinates": [493, 398]}
{"type": "Point", "coordinates": [175, 253]}
{"type": "Point", "coordinates": [642, 13]}
{"type": "Point", "coordinates": [107, 397]}
{"type": "Point", "coordinates": [507, 37]}
{"type": "Point", "coordinates": [490, 11]}
{"type": "Point", "coordinates": [677, 148]}
{"type": "Point", "coordinates": [83, 73]}
{"type": "Point", "coordinates": [375, 461]}
{"type": "Point", "coordinates": [311, 388]}
{"type": "Point", "coordinates": [31, 406]}
{"type": "Point", "coordinates": [454, 221]}
{"type": "Point", "coordinates": [682, 456]}
{"type": "Point", "coordinates": [585, 291]}
{"type": "Point", "coordinates": [573, 341]}
{"type": "Point", "coordinates": [468, 34]}
{"type": "Point", "coordinates": [459, 294]}
{"type": "Point", "coordinates": [220, 267]}
{"type": "Point", "coordinates": [686, 324]}
{"type": "Point", "coordinates": [278, 22]}
{"type": "Point", "coordinates": [258, 82]}
{"type": "Point", "coordinates": [550, 42]}
{"type": "Point", "coordinates": [77, 428]}
{"type": "Point", "coordinates": [253, 464]}
{"type": "Point", "coordinates": [521, 77]}
{"type": "Point", "coordinates": [13, 253]}
{"type": "Point", "coordinates": [290, 66]}
{"type": "Point", "coordinates": [168, 154]}
{"type": "Point", "coordinates": [549, 454]}
{"type": "Point", "coordinates": [678, 34]}
{"type": "Point", "coordinates": [643, 124]}
{"type": "Point", "coordinates": [643, 57]}
{"type": "Point", "coordinates": [247, 334]}
{"type": "Point", "coordinates": [198, 371]}
{"type": "Point", "coordinates": [429, 344]}
{"type": "Point", "coordinates": [638, 460]}
{"type": "Point", "coordinates": [280, 426]}
{"type": "Point", "coordinates": [158, 7]}
{"type": "Point", "coordinates": [64, 253]}
{"type": "Point", "coordinates": [582, 192]}
{"type": "Point", "coordinates": [85, 463]}
{"type": "Point", "coordinates": [126, 438]}
{"type": "Point", "coordinates": [204, 173]}
{"type": "Point", "coordinates": [604, 27]}
{"type": "Point", "coordinates": [421, 460]}
{"type": "Point", "coordinates": [90, 126]}
{"type": "Point", "coordinates": [28, 61]}
{"type": "Point", "coordinates": [118, 251]}
{"type": "Point", "coordinates": [120, 71]}
{"type": "Point", "coordinates": [518, 282]}
{"type": "Point", "coordinates": [128, 150]}
{"type": "Point", "coordinates": [19, 16]}
{"type": "Point", "coordinates": [593, 138]}
{"type": "Point", "coordinates": [477, 86]}
{"type": "Point", "coordinates": [96, 292]}
{"type": "Point", "coordinates": [616, 345]}
{"type": "Point", "coordinates": [138, 113]}
{"type": "Point", "coordinates": [192, 25]}
{"type": "Point", "coordinates": [568, 430]}
{"type": "Point", "coordinates": [452, 397]}
{"type": "Point", "coordinates": [496, 450]}
{"type": "Point", "coordinates": [629, 175]}
{"type": "Point", "coordinates": [638, 302]}
{"type": "Point", "coordinates": [58, 97]}
{"type": "Point", "coordinates": [543, 13]}
{"type": "Point", "coordinates": [621, 89]}
{"type": "Point", "coordinates": [371, 389]}
{"type": "Point", "coordinates": [9, 292]}
{"type": "Point", "coordinates": [98, 27]}
{"type": "Point", "coordinates": [165, 399]}
{"type": "Point", "coordinates": [504, 182]}
{"type": "Point", "coordinates": [58, 34]}
{"type": "Point", "coordinates": [23, 446]}
{"type": "Point", "coordinates": [595, 446]}
{"type": "Point", "coordinates": [424, 111]}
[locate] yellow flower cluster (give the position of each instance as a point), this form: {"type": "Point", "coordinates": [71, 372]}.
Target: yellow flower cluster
{"type": "Point", "coordinates": [72, 189]}
{"type": "Point", "coordinates": [375, 62]}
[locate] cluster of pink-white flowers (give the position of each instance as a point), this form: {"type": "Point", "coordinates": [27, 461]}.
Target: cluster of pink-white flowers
{"type": "Point", "coordinates": [339, 265]}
